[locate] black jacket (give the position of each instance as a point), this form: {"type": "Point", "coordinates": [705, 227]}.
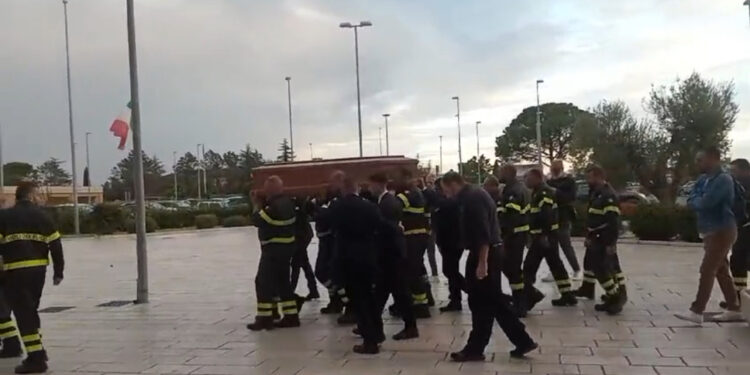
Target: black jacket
{"type": "Point", "coordinates": [446, 222]}
{"type": "Point", "coordinates": [276, 222]}
{"type": "Point", "coordinates": [391, 242]}
{"type": "Point", "coordinates": [357, 223]}
{"type": "Point", "coordinates": [478, 221]}
{"type": "Point", "coordinates": [414, 220]}
{"type": "Point", "coordinates": [322, 216]}
{"type": "Point", "coordinates": [745, 182]}
{"type": "Point", "coordinates": [28, 237]}
{"type": "Point", "coordinates": [514, 208]}
{"type": "Point", "coordinates": [303, 229]}
{"type": "Point", "coordinates": [567, 191]}
{"type": "Point", "coordinates": [603, 220]}
{"type": "Point", "coordinates": [543, 217]}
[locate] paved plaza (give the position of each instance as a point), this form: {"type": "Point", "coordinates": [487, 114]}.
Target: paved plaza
{"type": "Point", "coordinates": [201, 286]}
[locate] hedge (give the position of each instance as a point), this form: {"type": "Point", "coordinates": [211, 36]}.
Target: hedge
{"type": "Point", "coordinates": [664, 222]}
{"type": "Point", "coordinates": [151, 225]}
{"type": "Point", "coordinates": [206, 221]}
{"type": "Point", "coordinates": [235, 221]}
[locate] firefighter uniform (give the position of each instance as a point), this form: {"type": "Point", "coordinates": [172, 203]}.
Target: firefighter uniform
{"type": "Point", "coordinates": [601, 262]}
{"type": "Point", "coordinates": [739, 261]}
{"type": "Point", "coordinates": [29, 238]}
{"type": "Point", "coordinates": [416, 230]}
{"type": "Point", "coordinates": [8, 331]}
{"type": "Point", "coordinates": [513, 211]}
{"type": "Point", "coordinates": [431, 198]}
{"type": "Point", "coordinates": [273, 289]}
{"type": "Point", "coordinates": [544, 226]}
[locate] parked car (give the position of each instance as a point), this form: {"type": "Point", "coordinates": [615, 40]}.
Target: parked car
{"type": "Point", "coordinates": [177, 205]}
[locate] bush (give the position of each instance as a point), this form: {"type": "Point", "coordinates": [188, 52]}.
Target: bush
{"type": "Point", "coordinates": [655, 222]}
{"type": "Point", "coordinates": [235, 221]}
{"type": "Point", "coordinates": [151, 225]}
{"type": "Point", "coordinates": [205, 221]}
{"type": "Point", "coordinates": [173, 219]}
{"type": "Point", "coordinates": [107, 218]}
{"type": "Point", "coordinates": [687, 225]}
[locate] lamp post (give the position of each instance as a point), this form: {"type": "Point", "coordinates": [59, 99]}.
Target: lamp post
{"type": "Point", "coordinates": [387, 143]}
{"type": "Point", "coordinates": [747, 2]}
{"type": "Point", "coordinates": [380, 139]}
{"type": "Point", "coordinates": [311, 153]}
{"type": "Point", "coordinates": [441, 155]}
{"type": "Point", "coordinates": [2, 171]}
{"type": "Point", "coordinates": [76, 222]}
{"type": "Point", "coordinates": [289, 97]}
{"type": "Point", "coordinates": [539, 127]}
{"type": "Point", "coordinates": [198, 167]}
{"type": "Point", "coordinates": [88, 166]}
{"type": "Point", "coordinates": [140, 203]}
{"type": "Point", "coordinates": [458, 123]}
{"type": "Point", "coordinates": [348, 25]}
{"type": "Point", "coordinates": [479, 165]}
{"type": "Point", "coordinates": [174, 173]}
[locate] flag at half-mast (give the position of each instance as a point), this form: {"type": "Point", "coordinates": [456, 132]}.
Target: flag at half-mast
{"type": "Point", "coordinates": [121, 127]}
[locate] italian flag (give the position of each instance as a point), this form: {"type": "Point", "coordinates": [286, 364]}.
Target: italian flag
{"type": "Point", "coordinates": [121, 126]}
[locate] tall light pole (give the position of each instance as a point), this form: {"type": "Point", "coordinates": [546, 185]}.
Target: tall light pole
{"type": "Point", "coordinates": [88, 166]}
{"type": "Point", "coordinates": [441, 155]}
{"type": "Point", "coordinates": [387, 141]}
{"type": "Point", "coordinates": [380, 139]}
{"type": "Point", "coordinates": [198, 167]}
{"type": "Point", "coordinates": [289, 97]}
{"type": "Point", "coordinates": [311, 153]}
{"type": "Point", "coordinates": [747, 2]}
{"type": "Point", "coordinates": [174, 173]}
{"type": "Point", "coordinates": [76, 222]}
{"type": "Point", "coordinates": [479, 165]}
{"type": "Point", "coordinates": [458, 123]}
{"type": "Point", "coordinates": [140, 203]}
{"type": "Point", "coordinates": [347, 25]}
{"type": "Point", "coordinates": [203, 167]}
{"type": "Point", "coordinates": [539, 127]}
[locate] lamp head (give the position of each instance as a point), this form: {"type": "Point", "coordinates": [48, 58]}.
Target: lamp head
{"type": "Point", "coordinates": [455, 98]}
{"type": "Point", "coordinates": [538, 81]}
{"type": "Point", "coordinates": [365, 23]}
{"type": "Point", "coordinates": [288, 78]}
{"type": "Point", "coordinates": [345, 25]}
{"type": "Point", "coordinates": [386, 115]}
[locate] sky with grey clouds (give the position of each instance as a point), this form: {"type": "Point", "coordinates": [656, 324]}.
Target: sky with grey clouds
{"type": "Point", "coordinates": [212, 71]}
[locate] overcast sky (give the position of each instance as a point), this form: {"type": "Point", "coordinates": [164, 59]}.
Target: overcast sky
{"type": "Point", "coordinates": [212, 71]}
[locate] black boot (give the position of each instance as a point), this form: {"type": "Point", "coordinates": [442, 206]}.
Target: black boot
{"type": "Point", "coordinates": [452, 306]}
{"type": "Point", "coordinates": [347, 318]}
{"type": "Point", "coordinates": [35, 363]}
{"type": "Point", "coordinates": [406, 334]}
{"type": "Point", "coordinates": [313, 294]}
{"type": "Point", "coordinates": [612, 306]}
{"type": "Point", "coordinates": [366, 348]}
{"type": "Point", "coordinates": [566, 299]}
{"type": "Point", "coordinates": [587, 290]}
{"type": "Point", "coordinates": [393, 310]}
{"type": "Point", "coordinates": [261, 323]}
{"type": "Point", "coordinates": [335, 306]}
{"type": "Point", "coordinates": [289, 321]}
{"type": "Point", "coordinates": [430, 298]}
{"type": "Point", "coordinates": [275, 314]}
{"type": "Point", "coordinates": [465, 356]}
{"type": "Point", "coordinates": [422, 312]}
{"type": "Point", "coordinates": [521, 351]}
{"type": "Point", "coordinates": [624, 295]}
{"type": "Point", "coordinates": [11, 348]}
{"type": "Point", "coordinates": [535, 296]}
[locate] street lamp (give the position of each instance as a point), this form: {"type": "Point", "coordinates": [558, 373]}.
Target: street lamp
{"type": "Point", "coordinates": [311, 153]}
{"type": "Point", "coordinates": [479, 166]}
{"type": "Point", "coordinates": [198, 167]}
{"type": "Point", "coordinates": [289, 97]}
{"type": "Point", "coordinates": [387, 143]}
{"type": "Point", "coordinates": [380, 139]}
{"type": "Point", "coordinates": [539, 127]}
{"type": "Point", "coordinates": [347, 25]}
{"type": "Point", "coordinates": [458, 123]}
{"type": "Point", "coordinates": [747, 2]}
{"type": "Point", "coordinates": [76, 222]}
{"type": "Point", "coordinates": [174, 173]}
{"type": "Point", "coordinates": [88, 166]}
{"type": "Point", "coordinates": [441, 155]}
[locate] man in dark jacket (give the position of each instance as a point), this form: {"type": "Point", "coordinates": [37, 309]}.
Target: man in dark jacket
{"type": "Point", "coordinates": [304, 235]}
{"type": "Point", "coordinates": [445, 224]}
{"type": "Point", "coordinates": [567, 190]}
{"type": "Point", "coordinates": [29, 239]}
{"type": "Point", "coordinates": [479, 233]}
{"type": "Point", "coordinates": [357, 224]}
{"type": "Point", "coordinates": [392, 257]}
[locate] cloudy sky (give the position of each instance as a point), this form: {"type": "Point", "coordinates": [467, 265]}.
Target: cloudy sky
{"type": "Point", "coordinates": [212, 71]}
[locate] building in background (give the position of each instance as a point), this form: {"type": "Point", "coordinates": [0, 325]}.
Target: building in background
{"type": "Point", "coordinates": [57, 195]}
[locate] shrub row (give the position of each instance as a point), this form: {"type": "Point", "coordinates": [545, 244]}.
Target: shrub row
{"type": "Point", "coordinates": [108, 218]}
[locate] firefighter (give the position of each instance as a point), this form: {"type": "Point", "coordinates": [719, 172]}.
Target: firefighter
{"type": "Point", "coordinates": [300, 260]}
{"type": "Point", "coordinates": [600, 261]}
{"type": "Point", "coordinates": [740, 258]}
{"type": "Point", "coordinates": [544, 226]}
{"type": "Point", "coordinates": [8, 331]}
{"type": "Point", "coordinates": [275, 219]}
{"type": "Point", "coordinates": [447, 237]}
{"type": "Point", "coordinates": [514, 226]}
{"type": "Point", "coordinates": [29, 238]}
{"type": "Point", "coordinates": [392, 258]}
{"type": "Point", "coordinates": [417, 237]}
{"type": "Point", "coordinates": [479, 233]}
{"type": "Point", "coordinates": [357, 223]}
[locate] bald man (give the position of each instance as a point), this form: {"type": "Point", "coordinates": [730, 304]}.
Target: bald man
{"type": "Point", "coordinates": [275, 219]}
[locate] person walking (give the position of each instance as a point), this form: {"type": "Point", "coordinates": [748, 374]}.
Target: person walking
{"type": "Point", "coordinates": [417, 237]}
{"type": "Point", "coordinates": [29, 239]}
{"type": "Point", "coordinates": [712, 199]}
{"type": "Point", "coordinates": [479, 233]}
{"type": "Point", "coordinates": [300, 260]}
{"type": "Point", "coordinates": [446, 221]}
{"type": "Point", "coordinates": [567, 192]}
{"type": "Point", "coordinates": [739, 262]}
{"type": "Point", "coordinates": [427, 186]}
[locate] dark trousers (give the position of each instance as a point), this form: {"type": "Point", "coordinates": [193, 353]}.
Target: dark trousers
{"type": "Point", "coordinates": [273, 282]}
{"type": "Point", "coordinates": [416, 245]}
{"type": "Point", "coordinates": [361, 277]}
{"type": "Point", "coordinates": [324, 262]}
{"type": "Point", "coordinates": [551, 254]}
{"type": "Point", "coordinates": [513, 261]}
{"type": "Point", "coordinates": [739, 261]}
{"type": "Point", "coordinates": [393, 282]}
{"type": "Point", "coordinates": [431, 254]}
{"type": "Point", "coordinates": [301, 262]}
{"type": "Point", "coordinates": [567, 246]}
{"type": "Point", "coordinates": [451, 264]}
{"type": "Point", "coordinates": [488, 305]}
{"type": "Point", "coordinates": [601, 263]}
{"type": "Point", "coordinates": [8, 329]}
{"type": "Point", "coordinates": [23, 292]}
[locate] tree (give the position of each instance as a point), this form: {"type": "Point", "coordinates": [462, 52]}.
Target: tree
{"type": "Point", "coordinates": [51, 173]}
{"type": "Point", "coordinates": [121, 178]}
{"type": "Point", "coordinates": [694, 113]}
{"type": "Point", "coordinates": [470, 167]}
{"type": "Point", "coordinates": [250, 158]}
{"type": "Point", "coordinates": [231, 159]}
{"type": "Point", "coordinates": [287, 154]}
{"type": "Point", "coordinates": [213, 161]}
{"type": "Point", "coordinates": [16, 171]}
{"type": "Point", "coordinates": [518, 142]}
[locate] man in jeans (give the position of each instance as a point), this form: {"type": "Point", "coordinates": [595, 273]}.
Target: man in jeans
{"type": "Point", "coordinates": [712, 199]}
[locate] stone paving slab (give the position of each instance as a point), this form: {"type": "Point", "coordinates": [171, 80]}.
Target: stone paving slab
{"type": "Point", "coordinates": [202, 296]}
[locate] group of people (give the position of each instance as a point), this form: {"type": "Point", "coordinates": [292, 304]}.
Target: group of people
{"type": "Point", "coordinates": [372, 243]}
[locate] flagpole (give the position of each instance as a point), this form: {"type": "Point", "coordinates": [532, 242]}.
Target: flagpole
{"type": "Point", "coordinates": [76, 222]}
{"type": "Point", "coordinates": [140, 212]}
{"type": "Point", "coordinates": [88, 166]}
